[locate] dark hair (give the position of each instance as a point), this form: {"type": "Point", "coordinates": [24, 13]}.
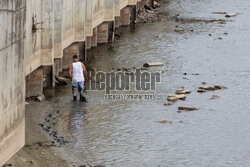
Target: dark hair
{"type": "Point", "coordinates": [75, 57]}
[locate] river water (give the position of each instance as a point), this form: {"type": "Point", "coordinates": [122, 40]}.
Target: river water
{"type": "Point", "coordinates": [127, 132]}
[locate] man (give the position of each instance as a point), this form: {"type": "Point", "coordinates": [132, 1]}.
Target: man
{"type": "Point", "coordinates": [76, 71]}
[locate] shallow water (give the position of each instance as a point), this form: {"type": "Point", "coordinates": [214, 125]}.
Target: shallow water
{"type": "Point", "coordinates": [126, 132]}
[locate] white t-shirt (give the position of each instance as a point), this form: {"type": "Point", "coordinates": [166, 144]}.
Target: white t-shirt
{"type": "Point", "coordinates": [77, 72]}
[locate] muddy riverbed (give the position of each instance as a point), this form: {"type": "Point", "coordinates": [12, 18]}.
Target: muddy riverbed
{"type": "Point", "coordinates": [145, 132]}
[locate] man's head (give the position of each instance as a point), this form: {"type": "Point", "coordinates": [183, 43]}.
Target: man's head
{"type": "Point", "coordinates": [75, 58]}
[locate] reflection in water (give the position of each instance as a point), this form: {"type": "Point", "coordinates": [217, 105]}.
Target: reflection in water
{"type": "Point", "coordinates": [126, 133]}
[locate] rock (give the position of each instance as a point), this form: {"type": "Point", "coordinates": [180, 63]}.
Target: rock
{"type": "Point", "coordinates": [201, 90]}
{"type": "Point", "coordinates": [149, 11]}
{"type": "Point", "coordinates": [214, 97]}
{"type": "Point", "coordinates": [168, 104]}
{"type": "Point", "coordinates": [26, 103]}
{"type": "Point", "coordinates": [40, 98]}
{"type": "Point", "coordinates": [179, 30]}
{"type": "Point", "coordinates": [179, 111]}
{"type": "Point", "coordinates": [219, 12]}
{"type": "Point", "coordinates": [181, 121]}
{"type": "Point", "coordinates": [219, 38]}
{"type": "Point", "coordinates": [213, 87]}
{"type": "Point", "coordinates": [182, 91]}
{"type": "Point", "coordinates": [187, 108]}
{"type": "Point", "coordinates": [210, 35]}
{"type": "Point", "coordinates": [156, 4]}
{"type": "Point", "coordinates": [231, 15]}
{"type": "Point", "coordinates": [165, 122]}
{"type": "Point", "coordinates": [173, 98]}
{"type": "Point", "coordinates": [203, 83]}
{"type": "Point", "coordinates": [190, 30]}
{"type": "Point", "coordinates": [153, 64]}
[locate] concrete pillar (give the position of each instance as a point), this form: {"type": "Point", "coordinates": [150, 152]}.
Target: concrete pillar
{"type": "Point", "coordinates": [56, 67]}
{"type": "Point", "coordinates": [111, 33]}
{"type": "Point", "coordinates": [125, 18]}
{"type": "Point", "coordinates": [102, 33]}
{"type": "Point", "coordinates": [34, 83]}
{"type": "Point", "coordinates": [117, 22]}
{"type": "Point", "coordinates": [77, 48]}
{"type": "Point", "coordinates": [94, 38]}
{"type": "Point", "coordinates": [48, 77]}
{"type": "Point", "coordinates": [149, 3]}
{"type": "Point", "coordinates": [68, 53]}
{"type": "Point", "coordinates": [89, 43]}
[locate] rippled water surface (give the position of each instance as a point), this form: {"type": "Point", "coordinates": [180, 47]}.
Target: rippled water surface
{"type": "Point", "coordinates": [126, 132]}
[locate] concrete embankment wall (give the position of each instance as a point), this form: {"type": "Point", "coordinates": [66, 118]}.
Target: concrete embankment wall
{"type": "Point", "coordinates": [12, 74]}
{"type": "Point", "coordinates": [62, 28]}
{"type": "Point", "coordinates": [38, 39]}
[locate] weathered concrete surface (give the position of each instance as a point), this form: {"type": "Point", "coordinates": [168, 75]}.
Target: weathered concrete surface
{"type": "Point", "coordinates": [57, 25]}
{"type": "Point", "coordinates": [40, 43]}
{"type": "Point", "coordinates": [12, 73]}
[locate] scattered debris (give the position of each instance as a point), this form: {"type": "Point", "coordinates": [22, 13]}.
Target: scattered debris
{"type": "Point", "coordinates": [214, 97]}
{"type": "Point", "coordinates": [231, 15]}
{"type": "Point", "coordinates": [179, 111]}
{"type": "Point", "coordinates": [40, 98]}
{"type": "Point", "coordinates": [49, 121]}
{"type": "Point", "coordinates": [181, 121]}
{"type": "Point", "coordinates": [187, 108]}
{"type": "Point", "coordinates": [219, 38]}
{"type": "Point", "coordinates": [60, 81]}
{"type": "Point", "coordinates": [165, 122]}
{"type": "Point", "coordinates": [153, 64]}
{"type": "Point", "coordinates": [173, 98]}
{"type": "Point", "coordinates": [219, 12]}
{"type": "Point", "coordinates": [26, 103]}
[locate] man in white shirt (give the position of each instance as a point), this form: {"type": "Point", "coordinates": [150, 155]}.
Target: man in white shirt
{"type": "Point", "coordinates": [78, 75]}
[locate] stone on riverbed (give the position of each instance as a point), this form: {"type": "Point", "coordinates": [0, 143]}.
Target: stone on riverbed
{"type": "Point", "coordinates": [182, 91]}
{"type": "Point", "coordinates": [165, 122]}
{"type": "Point", "coordinates": [209, 88]}
{"type": "Point", "coordinates": [153, 64]}
{"type": "Point", "coordinates": [173, 98]}
{"type": "Point", "coordinates": [187, 108]}
{"type": "Point", "coordinates": [231, 15]}
{"type": "Point", "coordinates": [40, 98]}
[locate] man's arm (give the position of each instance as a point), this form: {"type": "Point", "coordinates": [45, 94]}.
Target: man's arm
{"type": "Point", "coordinates": [85, 71]}
{"type": "Point", "coordinates": [70, 71]}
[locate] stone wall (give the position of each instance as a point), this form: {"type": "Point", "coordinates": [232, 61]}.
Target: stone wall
{"type": "Point", "coordinates": [12, 74]}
